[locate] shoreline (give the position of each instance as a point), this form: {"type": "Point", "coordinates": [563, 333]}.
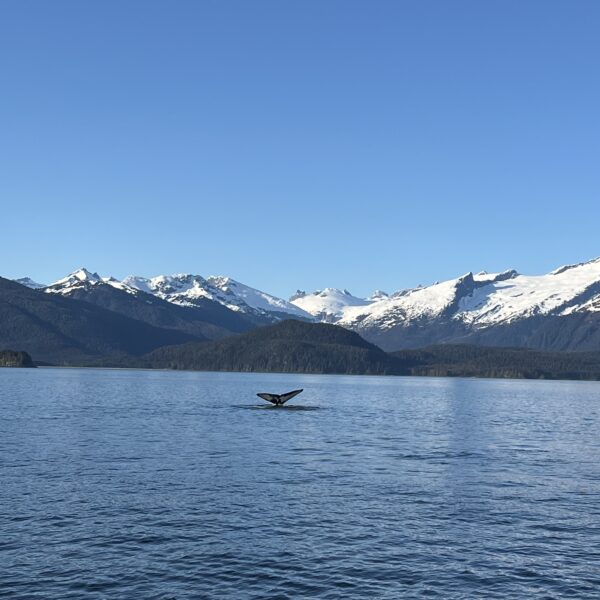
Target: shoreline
{"type": "Point", "coordinates": [408, 375]}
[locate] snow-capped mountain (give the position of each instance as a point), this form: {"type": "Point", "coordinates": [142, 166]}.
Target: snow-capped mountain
{"type": "Point", "coordinates": [478, 308]}
{"type": "Point", "coordinates": [486, 299]}
{"type": "Point", "coordinates": [470, 308]}
{"type": "Point", "coordinates": [186, 289]}
{"type": "Point", "coordinates": [422, 303]}
{"type": "Point", "coordinates": [83, 279]}
{"type": "Point", "coordinates": [205, 319]}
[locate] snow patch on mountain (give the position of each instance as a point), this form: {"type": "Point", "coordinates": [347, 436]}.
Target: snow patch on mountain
{"type": "Point", "coordinates": [138, 283]}
{"type": "Point", "coordinates": [181, 288]}
{"type": "Point", "coordinates": [30, 283]}
{"type": "Point", "coordinates": [491, 277]}
{"type": "Point", "coordinates": [328, 304]}
{"type": "Point", "coordinates": [378, 295]}
{"type": "Point", "coordinates": [240, 294]}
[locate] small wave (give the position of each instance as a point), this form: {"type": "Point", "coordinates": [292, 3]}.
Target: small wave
{"type": "Point", "coordinates": [295, 407]}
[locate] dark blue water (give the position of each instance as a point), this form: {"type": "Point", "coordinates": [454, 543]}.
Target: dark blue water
{"type": "Point", "coordinates": [141, 485]}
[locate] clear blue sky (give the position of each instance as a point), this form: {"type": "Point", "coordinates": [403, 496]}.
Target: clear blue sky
{"type": "Point", "coordinates": [299, 143]}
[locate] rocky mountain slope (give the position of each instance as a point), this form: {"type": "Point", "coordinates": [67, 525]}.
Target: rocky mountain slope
{"type": "Point", "coordinates": [190, 290]}
{"type": "Point", "coordinates": [59, 330]}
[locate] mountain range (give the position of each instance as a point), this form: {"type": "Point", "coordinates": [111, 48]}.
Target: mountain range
{"type": "Point", "coordinates": [559, 311]}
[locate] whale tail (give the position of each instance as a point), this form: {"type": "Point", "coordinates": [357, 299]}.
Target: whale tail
{"type": "Point", "coordinates": [278, 399]}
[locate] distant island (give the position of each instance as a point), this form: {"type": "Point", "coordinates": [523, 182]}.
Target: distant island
{"type": "Point", "coordinates": [15, 358]}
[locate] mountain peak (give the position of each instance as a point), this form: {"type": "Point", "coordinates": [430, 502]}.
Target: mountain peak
{"type": "Point", "coordinates": [84, 279]}
{"type": "Point", "coordinates": [81, 275]}
{"type": "Point", "coordinates": [84, 275]}
{"type": "Point", "coordinates": [298, 294]}
{"type": "Point", "coordinates": [378, 295]}
{"type": "Point", "coordinates": [30, 283]}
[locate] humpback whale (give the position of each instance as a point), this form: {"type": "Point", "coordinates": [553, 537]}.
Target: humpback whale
{"type": "Point", "coordinates": [278, 399]}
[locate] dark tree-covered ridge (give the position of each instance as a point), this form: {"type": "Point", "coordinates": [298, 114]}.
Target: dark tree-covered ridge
{"type": "Point", "coordinates": [456, 360]}
{"type": "Point", "coordinates": [299, 347]}
{"type": "Point", "coordinates": [290, 347]}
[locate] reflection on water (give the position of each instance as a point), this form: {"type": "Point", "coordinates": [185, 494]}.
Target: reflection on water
{"type": "Point", "coordinates": [141, 484]}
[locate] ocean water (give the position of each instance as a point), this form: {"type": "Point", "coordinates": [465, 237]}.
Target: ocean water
{"type": "Point", "coordinates": [173, 485]}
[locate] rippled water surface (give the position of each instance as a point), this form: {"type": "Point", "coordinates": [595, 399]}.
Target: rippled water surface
{"type": "Point", "coordinates": [171, 485]}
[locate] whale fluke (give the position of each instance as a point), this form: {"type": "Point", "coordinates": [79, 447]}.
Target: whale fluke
{"type": "Point", "coordinates": [278, 399]}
